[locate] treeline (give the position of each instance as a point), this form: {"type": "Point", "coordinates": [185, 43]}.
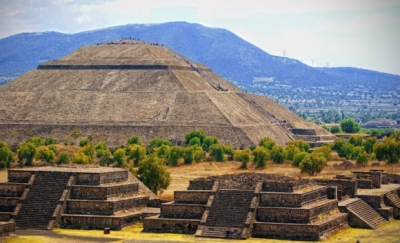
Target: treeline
{"type": "Point", "coordinates": [149, 161]}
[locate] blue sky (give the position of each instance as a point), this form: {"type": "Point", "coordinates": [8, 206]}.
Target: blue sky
{"type": "Point", "coordinates": [356, 33]}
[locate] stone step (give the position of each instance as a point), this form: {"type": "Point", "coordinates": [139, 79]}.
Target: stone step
{"type": "Point", "coordinates": [394, 199]}
{"type": "Point", "coordinates": [365, 213]}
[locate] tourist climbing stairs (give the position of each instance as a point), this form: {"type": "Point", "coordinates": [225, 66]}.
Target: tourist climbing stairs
{"type": "Point", "coordinates": [43, 197]}
{"type": "Point", "coordinates": [364, 212]}
{"type": "Point", "coordinates": [229, 215]}
{"type": "Point", "coordinates": [393, 199]}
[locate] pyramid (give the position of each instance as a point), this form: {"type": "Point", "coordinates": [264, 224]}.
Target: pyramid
{"type": "Point", "coordinates": [114, 90]}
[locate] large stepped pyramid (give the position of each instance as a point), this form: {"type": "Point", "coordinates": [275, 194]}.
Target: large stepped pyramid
{"type": "Point", "coordinates": [73, 197]}
{"type": "Point", "coordinates": [114, 90]}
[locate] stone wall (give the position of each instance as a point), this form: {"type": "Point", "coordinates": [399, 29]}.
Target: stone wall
{"type": "Point", "coordinates": [301, 131]}
{"type": "Point", "coordinates": [345, 187]}
{"type": "Point", "coordinates": [19, 176]}
{"type": "Point", "coordinates": [200, 184]}
{"type": "Point", "coordinates": [7, 228]}
{"type": "Point", "coordinates": [96, 179]}
{"type": "Point", "coordinates": [7, 204]}
{"type": "Point", "coordinates": [192, 196]}
{"type": "Point", "coordinates": [98, 222]}
{"type": "Point", "coordinates": [183, 226]}
{"type": "Point", "coordinates": [376, 177]}
{"type": "Point", "coordinates": [105, 207]}
{"type": "Point", "coordinates": [103, 192]}
{"type": "Point", "coordinates": [11, 189]}
{"type": "Point", "coordinates": [365, 184]}
{"type": "Point", "coordinates": [375, 201]}
{"type": "Point", "coordinates": [294, 200]}
{"type": "Point", "coordinates": [182, 211]}
{"type": "Point", "coordinates": [395, 178]}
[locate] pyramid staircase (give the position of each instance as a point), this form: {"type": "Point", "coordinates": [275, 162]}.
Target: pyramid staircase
{"type": "Point", "coordinates": [37, 210]}
{"type": "Point", "coordinates": [229, 215]}
{"type": "Point", "coordinates": [361, 214]}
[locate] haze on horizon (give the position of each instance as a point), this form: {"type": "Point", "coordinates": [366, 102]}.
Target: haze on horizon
{"type": "Point", "coordinates": [360, 33]}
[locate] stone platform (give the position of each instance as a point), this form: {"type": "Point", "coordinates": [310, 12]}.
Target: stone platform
{"type": "Point", "coordinates": [74, 197]}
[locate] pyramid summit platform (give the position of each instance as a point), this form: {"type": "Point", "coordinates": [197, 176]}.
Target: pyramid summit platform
{"type": "Point", "coordinates": [112, 91]}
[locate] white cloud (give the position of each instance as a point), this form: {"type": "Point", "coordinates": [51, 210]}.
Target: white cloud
{"type": "Point", "coordinates": [83, 18]}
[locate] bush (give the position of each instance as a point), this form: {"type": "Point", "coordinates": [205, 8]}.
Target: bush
{"type": "Point", "coordinates": [338, 144]}
{"type": "Point", "coordinates": [298, 158]}
{"type": "Point", "coordinates": [369, 144]}
{"type": "Point", "coordinates": [357, 151]}
{"type": "Point", "coordinates": [36, 141]}
{"type": "Point", "coordinates": [136, 152]}
{"type": "Point", "coordinates": [267, 143]}
{"type": "Point", "coordinates": [335, 129]}
{"type": "Point", "coordinates": [175, 154]}
{"type": "Point", "coordinates": [84, 142]}
{"type": "Point", "coordinates": [389, 149]}
{"type": "Point", "coordinates": [154, 174]}
{"type": "Point", "coordinates": [45, 154]}
{"type": "Point", "coordinates": [356, 140]}
{"type": "Point", "coordinates": [200, 134]}
{"type": "Point", "coordinates": [349, 125]}
{"type": "Point", "coordinates": [243, 156]}
{"type": "Point", "coordinates": [119, 157]}
{"type": "Point", "coordinates": [6, 155]}
{"type": "Point", "coordinates": [198, 153]}
{"type": "Point", "coordinates": [80, 158]}
{"type": "Point", "coordinates": [195, 141]}
{"type": "Point", "coordinates": [158, 142]}
{"type": "Point", "coordinates": [134, 140]}
{"type": "Point", "coordinates": [26, 152]}
{"type": "Point", "coordinates": [325, 150]}
{"type": "Point", "coordinates": [49, 140]}
{"type": "Point", "coordinates": [291, 151]}
{"type": "Point", "coordinates": [362, 158]}
{"type": "Point", "coordinates": [88, 150]}
{"type": "Point", "coordinates": [303, 146]}
{"type": "Point", "coordinates": [188, 154]}
{"type": "Point", "coordinates": [63, 158]}
{"type": "Point", "coordinates": [261, 156]}
{"type": "Point", "coordinates": [219, 151]}
{"type": "Point", "coordinates": [106, 161]}
{"type": "Point", "coordinates": [346, 151]}
{"type": "Point", "coordinates": [278, 154]}
{"type": "Point", "coordinates": [313, 163]}
{"type": "Point", "coordinates": [53, 148]}
{"type": "Point", "coordinates": [208, 141]}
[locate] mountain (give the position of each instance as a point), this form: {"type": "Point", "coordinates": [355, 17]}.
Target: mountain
{"type": "Point", "coordinates": [223, 51]}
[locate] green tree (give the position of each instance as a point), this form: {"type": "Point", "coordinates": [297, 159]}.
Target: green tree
{"type": "Point", "coordinates": [325, 150]}
{"type": "Point", "coordinates": [134, 140]}
{"type": "Point", "coordinates": [84, 142]}
{"type": "Point", "coordinates": [278, 154]}
{"type": "Point", "coordinates": [267, 143]}
{"type": "Point", "coordinates": [362, 158]}
{"type": "Point", "coordinates": [49, 140]}
{"type": "Point", "coordinates": [35, 141]}
{"type": "Point", "coordinates": [349, 125]}
{"type": "Point", "coordinates": [195, 141]}
{"type": "Point", "coordinates": [338, 144]}
{"type": "Point", "coordinates": [119, 157]}
{"type": "Point", "coordinates": [357, 151]}
{"type": "Point", "coordinates": [163, 152]}
{"type": "Point", "coordinates": [198, 153]}
{"type": "Point", "coordinates": [261, 156]}
{"type": "Point", "coordinates": [302, 145]}
{"type": "Point", "coordinates": [6, 155]}
{"type": "Point", "coordinates": [188, 154]}
{"type": "Point", "coordinates": [26, 152]}
{"type": "Point", "coordinates": [88, 150]}
{"type": "Point", "coordinates": [158, 142]}
{"type": "Point", "coordinates": [313, 163]}
{"type": "Point", "coordinates": [335, 129]}
{"type": "Point", "coordinates": [298, 158]}
{"type": "Point", "coordinates": [136, 152]}
{"type": "Point", "coordinates": [369, 144]}
{"type": "Point", "coordinates": [291, 151]}
{"type": "Point", "coordinates": [154, 174]}
{"type": "Point", "coordinates": [175, 154]}
{"type": "Point", "coordinates": [53, 148]}
{"type": "Point", "coordinates": [45, 154]}
{"type": "Point", "coordinates": [356, 140]}
{"type": "Point", "coordinates": [388, 150]}
{"type": "Point", "coordinates": [63, 158]}
{"type": "Point", "coordinates": [80, 158]}
{"type": "Point", "coordinates": [219, 151]}
{"type": "Point", "coordinates": [346, 151]}
{"type": "Point", "coordinates": [208, 141]}
{"type": "Point", "coordinates": [243, 156]}
{"type": "Point", "coordinates": [195, 133]}
{"type": "Point", "coordinates": [102, 151]}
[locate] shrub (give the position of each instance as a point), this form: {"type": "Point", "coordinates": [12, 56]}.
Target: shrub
{"type": "Point", "coordinates": [369, 144]}
{"type": "Point", "coordinates": [49, 140]}
{"type": "Point", "coordinates": [158, 142]}
{"type": "Point", "coordinates": [245, 155]}
{"type": "Point", "coordinates": [88, 150]}
{"type": "Point", "coordinates": [195, 141]}
{"type": "Point", "coordinates": [134, 140]}
{"type": "Point", "coordinates": [349, 125]}
{"type": "Point", "coordinates": [45, 154]}
{"type": "Point", "coordinates": [26, 152]}
{"type": "Point", "coordinates": [388, 150]}
{"type": "Point", "coordinates": [335, 129]}
{"type": "Point", "coordinates": [357, 151]}
{"type": "Point", "coordinates": [136, 152]}
{"type": "Point", "coordinates": [200, 134]}
{"type": "Point", "coordinates": [187, 155]}
{"type": "Point", "coordinates": [362, 158]}
{"type": "Point", "coordinates": [163, 152]}
{"type": "Point", "coordinates": [356, 140]}
{"type": "Point", "coordinates": [267, 143]}
{"type": "Point", "coordinates": [6, 155]}
{"type": "Point", "coordinates": [219, 151]}
{"type": "Point", "coordinates": [36, 141]}
{"type": "Point", "coordinates": [261, 156]}
{"type": "Point", "coordinates": [63, 158]}
{"type": "Point", "coordinates": [313, 163]}
{"type": "Point", "coordinates": [325, 150]}
{"type": "Point", "coordinates": [84, 142]}
{"type": "Point", "coordinates": [154, 174]}
{"type": "Point", "coordinates": [208, 141]}
{"type": "Point", "coordinates": [278, 154]}
{"type": "Point", "coordinates": [298, 158]}
{"type": "Point", "coordinates": [338, 144]}
{"type": "Point", "coordinates": [291, 151]}
{"type": "Point", "coordinates": [80, 158]}
{"type": "Point", "coordinates": [119, 157]}
{"type": "Point", "coordinates": [198, 153]}
{"type": "Point", "coordinates": [175, 154]}
{"type": "Point", "coordinates": [53, 148]}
